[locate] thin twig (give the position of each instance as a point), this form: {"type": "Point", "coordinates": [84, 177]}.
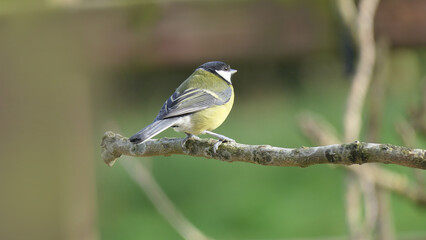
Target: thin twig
{"type": "Point", "coordinates": [406, 132]}
{"type": "Point", "coordinates": [394, 182]}
{"type": "Point", "coordinates": [386, 230]}
{"type": "Point", "coordinates": [362, 77]}
{"type": "Point", "coordinates": [378, 211]}
{"type": "Point", "coordinates": [418, 114]}
{"type": "Point", "coordinates": [160, 200]}
{"type": "Point", "coordinates": [348, 13]}
{"type": "Point", "coordinates": [353, 206]}
{"type": "Point", "coordinates": [318, 129]}
{"type": "Point", "coordinates": [408, 136]}
{"type": "Point", "coordinates": [378, 87]}
{"type": "Point", "coordinates": [141, 174]}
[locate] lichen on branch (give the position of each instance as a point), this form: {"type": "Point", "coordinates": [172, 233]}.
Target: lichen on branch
{"type": "Point", "coordinates": [114, 145]}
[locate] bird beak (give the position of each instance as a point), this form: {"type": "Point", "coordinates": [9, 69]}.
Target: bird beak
{"type": "Point", "coordinates": [233, 71]}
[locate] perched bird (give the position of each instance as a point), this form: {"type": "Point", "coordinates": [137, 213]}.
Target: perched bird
{"type": "Point", "coordinates": [198, 106]}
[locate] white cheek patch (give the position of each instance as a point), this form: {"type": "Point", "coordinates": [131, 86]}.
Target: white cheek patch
{"type": "Point", "coordinates": [225, 74]}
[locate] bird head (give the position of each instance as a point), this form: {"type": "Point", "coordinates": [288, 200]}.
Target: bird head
{"type": "Point", "coordinates": [220, 69]}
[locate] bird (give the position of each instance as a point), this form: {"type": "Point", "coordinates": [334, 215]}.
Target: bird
{"type": "Point", "coordinates": [198, 106]}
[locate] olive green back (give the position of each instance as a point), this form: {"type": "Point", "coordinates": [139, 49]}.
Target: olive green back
{"type": "Point", "coordinates": [204, 80]}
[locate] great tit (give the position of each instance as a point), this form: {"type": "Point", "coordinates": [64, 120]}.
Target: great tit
{"type": "Point", "coordinates": [198, 106]}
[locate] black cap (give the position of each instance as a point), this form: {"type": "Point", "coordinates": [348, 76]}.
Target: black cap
{"type": "Point", "coordinates": [215, 66]}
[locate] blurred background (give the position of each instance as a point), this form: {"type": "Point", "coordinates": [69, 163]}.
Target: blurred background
{"type": "Point", "coordinates": [72, 69]}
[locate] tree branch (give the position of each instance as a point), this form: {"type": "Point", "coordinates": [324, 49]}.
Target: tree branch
{"type": "Point", "coordinates": [114, 145]}
{"type": "Point", "coordinates": [321, 132]}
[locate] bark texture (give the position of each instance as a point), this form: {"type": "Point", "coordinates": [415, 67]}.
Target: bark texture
{"type": "Point", "coordinates": [114, 145]}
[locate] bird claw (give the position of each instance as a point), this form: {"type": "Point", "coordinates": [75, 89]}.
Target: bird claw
{"type": "Point", "coordinates": [227, 139]}
{"type": "Point", "coordinates": [220, 141]}
{"type": "Point", "coordinates": [216, 146]}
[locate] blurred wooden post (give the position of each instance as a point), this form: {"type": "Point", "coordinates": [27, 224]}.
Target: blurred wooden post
{"type": "Point", "coordinates": [46, 168]}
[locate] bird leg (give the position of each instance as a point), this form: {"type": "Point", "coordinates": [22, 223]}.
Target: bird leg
{"type": "Point", "coordinates": [188, 136]}
{"type": "Point", "coordinates": [221, 139]}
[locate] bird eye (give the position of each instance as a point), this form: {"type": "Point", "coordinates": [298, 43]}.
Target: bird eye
{"type": "Point", "coordinates": [226, 68]}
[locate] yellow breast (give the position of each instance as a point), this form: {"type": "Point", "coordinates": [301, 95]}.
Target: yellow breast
{"type": "Point", "coordinates": [211, 118]}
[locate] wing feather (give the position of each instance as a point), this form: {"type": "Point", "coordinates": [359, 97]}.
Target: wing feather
{"type": "Point", "coordinates": [192, 100]}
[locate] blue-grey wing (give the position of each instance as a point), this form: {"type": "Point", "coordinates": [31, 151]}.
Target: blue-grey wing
{"type": "Point", "coordinates": [192, 100]}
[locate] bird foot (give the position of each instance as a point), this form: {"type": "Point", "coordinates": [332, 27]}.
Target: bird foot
{"type": "Point", "coordinates": [220, 141]}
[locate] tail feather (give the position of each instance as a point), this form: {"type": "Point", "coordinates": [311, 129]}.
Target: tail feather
{"type": "Point", "coordinates": [152, 130]}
